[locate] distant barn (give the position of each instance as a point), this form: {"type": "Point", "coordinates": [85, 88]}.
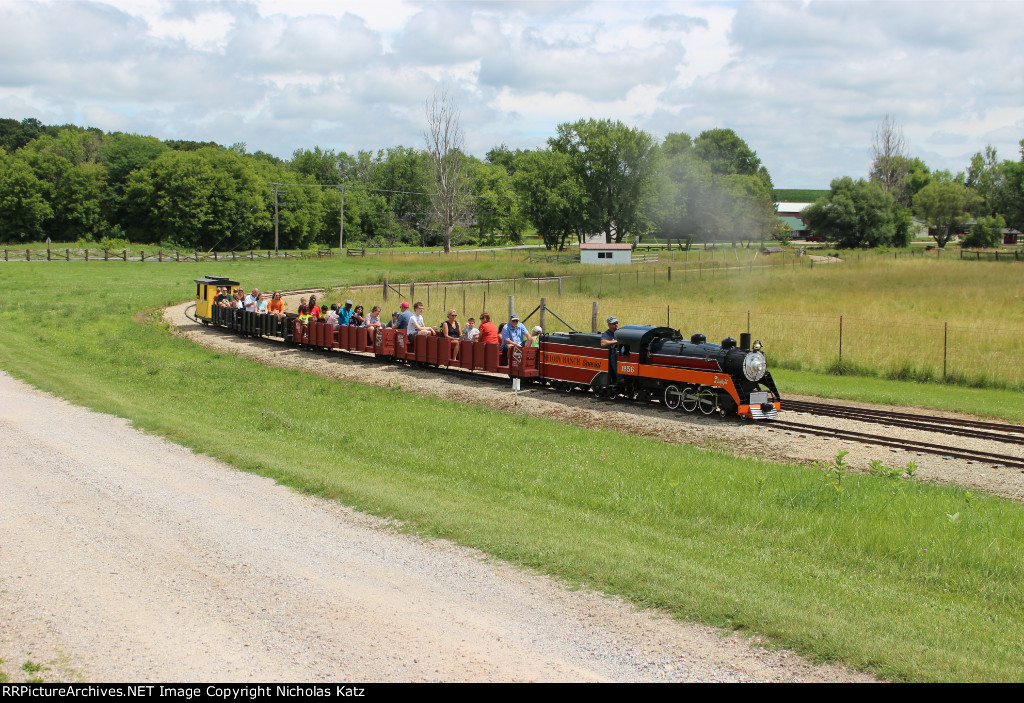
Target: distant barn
{"type": "Point", "coordinates": [606, 253]}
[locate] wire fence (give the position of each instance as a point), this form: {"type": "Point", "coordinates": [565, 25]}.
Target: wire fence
{"type": "Point", "coordinates": [849, 344]}
{"type": "Point", "coordinates": [157, 255]}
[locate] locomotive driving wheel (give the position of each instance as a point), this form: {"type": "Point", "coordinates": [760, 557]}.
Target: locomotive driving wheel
{"type": "Point", "coordinates": [707, 400]}
{"type": "Point", "coordinates": [689, 399]}
{"type": "Point", "coordinates": [672, 396]}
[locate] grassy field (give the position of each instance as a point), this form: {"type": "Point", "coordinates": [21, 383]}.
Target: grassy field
{"type": "Point", "coordinates": [913, 318]}
{"type": "Point", "coordinates": [913, 581]}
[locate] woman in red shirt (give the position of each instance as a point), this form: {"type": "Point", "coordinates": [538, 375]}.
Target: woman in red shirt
{"type": "Point", "coordinates": [488, 332]}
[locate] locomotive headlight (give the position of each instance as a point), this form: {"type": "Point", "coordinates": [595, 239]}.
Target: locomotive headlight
{"type": "Point", "coordinates": [754, 366]}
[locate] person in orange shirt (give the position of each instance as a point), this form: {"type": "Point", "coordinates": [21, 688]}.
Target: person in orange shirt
{"type": "Point", "coordinates": [276, 306]}
{"type": "Point", "coordinates": [488, 332]}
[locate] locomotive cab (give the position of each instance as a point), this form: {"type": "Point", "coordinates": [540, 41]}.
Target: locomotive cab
{"type": "Point", "coordinates": [206, 293]}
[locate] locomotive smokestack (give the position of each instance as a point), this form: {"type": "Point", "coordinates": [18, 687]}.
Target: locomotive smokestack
{"type": "Point", "coordinates": [745, 340]}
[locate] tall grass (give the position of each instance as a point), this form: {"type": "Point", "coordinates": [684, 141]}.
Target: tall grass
{"type": "Point", "coordinates": [918, 319]}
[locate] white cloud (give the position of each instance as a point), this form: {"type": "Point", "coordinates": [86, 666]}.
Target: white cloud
{"type": "Point", "coordinates": [805, 83]}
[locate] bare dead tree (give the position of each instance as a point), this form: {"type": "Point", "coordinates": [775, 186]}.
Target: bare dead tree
{"type": "Point", "coordinates": [450, 198]}
{"type": "Point", "coordinates": [889, 154]}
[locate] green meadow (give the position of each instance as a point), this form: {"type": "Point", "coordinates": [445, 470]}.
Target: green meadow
{"type": "Point", "coordinates": [911, 581]}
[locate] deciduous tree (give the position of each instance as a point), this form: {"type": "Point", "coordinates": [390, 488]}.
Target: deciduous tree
{"type": "Point", "coordinates": [615, 164]}
{"type": "Point", "coordinates": [945, 205]}
{"type": "Point", "coordinates": [450, 196]}
{"type": "Point", "coordinates": [853, 214]}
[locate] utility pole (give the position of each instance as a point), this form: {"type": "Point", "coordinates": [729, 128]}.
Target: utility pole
{"type": "Point", "coordinates": [276, 219]}
{"type": "Point", "coordinates": [341, 228]}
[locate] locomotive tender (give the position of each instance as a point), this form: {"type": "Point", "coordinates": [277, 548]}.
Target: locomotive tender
{"type": "Point", "coordinates": [649, 362]}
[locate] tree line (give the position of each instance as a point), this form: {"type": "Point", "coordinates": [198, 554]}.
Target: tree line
{"type": "Point", "coordinates": [977, 203]}
{"type": "Point", "coordinates": [70, 183]}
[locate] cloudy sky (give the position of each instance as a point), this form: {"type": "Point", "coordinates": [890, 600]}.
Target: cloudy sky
{"type": "Point", "coordinates": [805, 83]}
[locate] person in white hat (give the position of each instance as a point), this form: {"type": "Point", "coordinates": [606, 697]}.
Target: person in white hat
{"type": "Point", "coordinates": [537, 332]}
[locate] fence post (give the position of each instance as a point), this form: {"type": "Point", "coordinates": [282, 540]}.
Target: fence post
{"type": "Point", "coordinates": [177, 255]}
{"type": "Point", "coordinates": [160, 255]}
{"type": "Point", "coordinates": [748, 322]}
{"type": "Point", "coordinates": [668, 315]}
{"type": "Point", "coordinates": [945, 346]}
{"type": "Point", "coordinates": [124, 255]}
{"type": "Point", "coordinates": [543, 315]}
{"type": "Point", "coordinates": [412, 291]}
{"type": "Point", "coordinates": [385, 289]}
{"type": "Point", "coordinates": [840, 342]}
{"type": "Point", "coordinates": [28, 255]}
{"type": "Point", "coordinates": [48, 252]}
{"type": "Point", "coordinates": [106, 254]}
{"type": "Point", "coordinates": [214, 255]}
{"type": "Point", "coordinates": [142, 255]}
{"type": "Point", "coordinates": [593, 318]}
{"type": "Point", "coordinates": [669, 274]}
{"type": "Point", "coordinates": [67, 255]}
{"type": "Point", "coordinates": [559, 286]}
{"type": "Point", "coordinates": [511, 305]}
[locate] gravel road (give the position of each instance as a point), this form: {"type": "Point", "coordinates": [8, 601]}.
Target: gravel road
{"type": "Point", "coordinates": [124, 557]}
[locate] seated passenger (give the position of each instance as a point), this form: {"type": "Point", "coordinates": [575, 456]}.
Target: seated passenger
{"type": "Point", "coordinates": [394, 320]}
{"type": "Point", "coordinates": [314, 309]}
{"type": "Point", "coordinates": [261, 304]}
{"type": "Point", "coordinates": [373, 321]}
{"type": "Point", "coordinates": [416, 324]}
{"type": "Point", "coordinates": [250, 300]}
{"type": "Point", "coordinates": [451, 330]}
{"type": "Point", "coordinates": [514, 334]}
{"type": "Point", "coordinates": [488, 332]}
{"type": "Point", "coordinates": [304, 315]}
{"type": "Point", "coordinates": [536, 333]}
{"type": "Point", "coordinates": [332, 315]}
{"type": "Point", "coordinates": [357, 319]}
{"type": "Point", "coordinates": [403, 316]}
{"type": "Point", "coordinates": [276, 306]}
{"type": "Point", "coordinates": [470, 333]}
{"type": "Point", "coordinates": [239, 299]}
{"type": "Point", "coordinates": [223, 298]}
{"type": "Point", "coordinates": [344, 314]}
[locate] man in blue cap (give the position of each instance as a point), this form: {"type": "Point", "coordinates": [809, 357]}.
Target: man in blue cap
{"type": "Point", "coordinates": [609, 342]}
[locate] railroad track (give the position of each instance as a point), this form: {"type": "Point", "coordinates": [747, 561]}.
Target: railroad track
{"type": "Point", "coordinates": [977, 429]}
{"type": "Point", "coordinates": [911, 445]}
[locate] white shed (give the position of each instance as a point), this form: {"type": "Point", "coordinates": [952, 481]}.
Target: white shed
{"type": "Point", "coordinates": [606, 253]}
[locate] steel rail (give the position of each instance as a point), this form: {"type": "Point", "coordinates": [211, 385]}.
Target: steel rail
{"type": "Point", "coordinates": [866, 438]}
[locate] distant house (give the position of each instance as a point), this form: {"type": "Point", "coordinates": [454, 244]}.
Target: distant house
{"type": "Point", "coordinates": [790, 214]}
{"type": "Point", "coordinates": [606, 253]}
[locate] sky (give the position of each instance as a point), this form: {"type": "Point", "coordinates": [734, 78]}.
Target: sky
{"type": "Point", "coordinates": [804, 83]}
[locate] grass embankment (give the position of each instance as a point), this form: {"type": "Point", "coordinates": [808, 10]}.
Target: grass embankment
{"type": "Point", "coordinates": [913, 581]}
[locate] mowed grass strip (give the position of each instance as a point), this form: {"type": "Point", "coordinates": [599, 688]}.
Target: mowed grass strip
{"type": "Point", "coordinates": [916, 582]}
